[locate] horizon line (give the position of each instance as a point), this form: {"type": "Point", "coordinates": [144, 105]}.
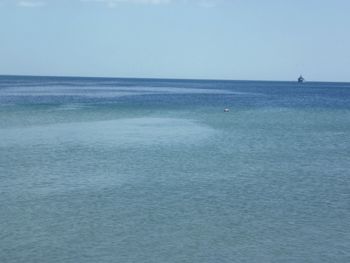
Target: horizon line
{"type": "Point", "coordinates": [164, 78]}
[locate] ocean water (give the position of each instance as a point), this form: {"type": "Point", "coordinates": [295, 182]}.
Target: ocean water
{"type": "Point", "coordinates": [144, 170]}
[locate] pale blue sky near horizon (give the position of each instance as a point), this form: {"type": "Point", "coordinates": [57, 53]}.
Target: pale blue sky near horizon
{"type": "Point", "coordinates": [201, 39]}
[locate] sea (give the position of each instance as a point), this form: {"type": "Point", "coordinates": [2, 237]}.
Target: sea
{"type": "Point", "coordinates": [153, 170]}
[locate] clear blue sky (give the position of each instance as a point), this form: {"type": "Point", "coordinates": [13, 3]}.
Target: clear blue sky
{"type": "Point", "coordinates": [213, 39]}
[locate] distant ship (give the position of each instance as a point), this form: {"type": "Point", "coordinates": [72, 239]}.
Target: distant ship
{"type": "Point", "coordinates": [301, 79]}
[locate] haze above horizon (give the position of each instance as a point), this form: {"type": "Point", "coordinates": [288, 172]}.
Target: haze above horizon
{"type": "Point", "coordinates": [198, 39]}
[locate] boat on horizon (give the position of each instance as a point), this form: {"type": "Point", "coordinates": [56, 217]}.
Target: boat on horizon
{"type": "Point", "coordinates": [301, 79]}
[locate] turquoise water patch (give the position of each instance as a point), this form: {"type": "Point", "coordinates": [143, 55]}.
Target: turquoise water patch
{"type": "Point", "coordinates": [121, 132]}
